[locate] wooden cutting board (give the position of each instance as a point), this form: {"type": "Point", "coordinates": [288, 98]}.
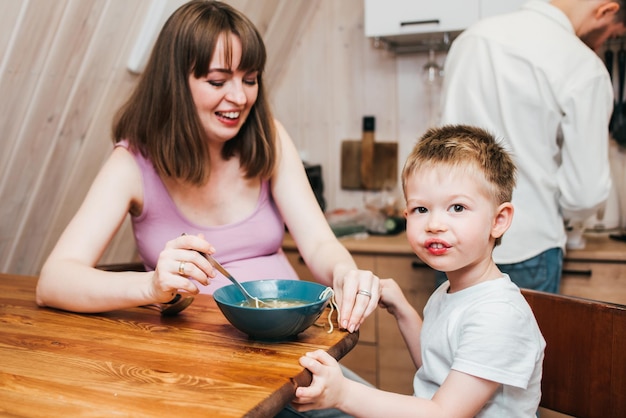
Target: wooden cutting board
{"type": "Point", "coordinates": [369, 165]}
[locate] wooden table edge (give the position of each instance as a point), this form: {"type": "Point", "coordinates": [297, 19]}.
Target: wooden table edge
{"type": "Point", "coordinates": [273, 404]}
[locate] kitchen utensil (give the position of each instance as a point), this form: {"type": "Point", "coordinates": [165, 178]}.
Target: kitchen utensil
{"type": "Point", "coordinates": [172, 307]}
{"type": "Point", "coordinates": [367, 164]}
{"type": "Point", "coordinates": [432, 74]}
{"type": "Point", "coordinates": [618, 237]}
{"type": "Point", "coordinates": [275, 323]}
{"type": "Point", "coordinates": [251, 300]}
{"type": "Point", "coordinates": [619, 116]}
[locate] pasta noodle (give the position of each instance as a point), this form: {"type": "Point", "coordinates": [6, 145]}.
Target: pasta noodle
{"type": "Point", "coordinates": [274, 303]}
{"type": "Point", "coordinates": [333, 307]}
{"type": "Point", "coordinates": [286, 303]}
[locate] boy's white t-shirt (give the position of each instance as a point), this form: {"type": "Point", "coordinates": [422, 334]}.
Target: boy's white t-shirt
{"type": "Point", "coordinates": [489, 331]}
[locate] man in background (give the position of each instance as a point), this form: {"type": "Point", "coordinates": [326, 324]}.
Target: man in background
{"type": "Point", "coordinates": [533, 78]}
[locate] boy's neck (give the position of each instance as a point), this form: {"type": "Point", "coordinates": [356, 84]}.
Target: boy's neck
{"type": "Point", "coordinates": [471, 276]}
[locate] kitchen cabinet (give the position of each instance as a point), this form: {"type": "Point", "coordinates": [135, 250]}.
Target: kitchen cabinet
{"type": "Point", "coordinates": [404, 22]}
{"type": "Point", "coordinates": [597, 271]}
{"type": "Point", "coordinates": [400, 17]}
{"type": "Point", "coordinates": [497, 7]}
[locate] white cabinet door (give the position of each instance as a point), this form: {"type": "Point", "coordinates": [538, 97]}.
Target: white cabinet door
{"type": "Point", "coordinates": [405, 17]}
{"type": "Point", "coordinates": [496, 7]}
{"type": "Point", "coordinates": [401, 17]}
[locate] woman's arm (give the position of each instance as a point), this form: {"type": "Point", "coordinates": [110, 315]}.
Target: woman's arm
{"type": "Point", "coordinates": [69, 279]}
{"type": "Point", "coordinates": [329, 261]}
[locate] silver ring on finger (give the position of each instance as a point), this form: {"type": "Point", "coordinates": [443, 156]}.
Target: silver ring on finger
{"type": "Point", "coordinates": [181, 268]}
{"type": "Point", "coordinates": [364, 293]}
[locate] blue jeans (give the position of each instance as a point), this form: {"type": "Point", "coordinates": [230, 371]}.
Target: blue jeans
{"type": "Point", "coordinates": [542, 272]}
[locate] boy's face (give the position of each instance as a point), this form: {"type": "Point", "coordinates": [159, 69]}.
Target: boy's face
{"type": "Point", "coordinates": [451, 218]}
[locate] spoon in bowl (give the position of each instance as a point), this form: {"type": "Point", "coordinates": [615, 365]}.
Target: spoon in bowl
{"type": "Point", "coordinates": [251, 300]}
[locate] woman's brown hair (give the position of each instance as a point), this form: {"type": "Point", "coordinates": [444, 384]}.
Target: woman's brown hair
{"type": "Point", "coordinates": [160, 119]}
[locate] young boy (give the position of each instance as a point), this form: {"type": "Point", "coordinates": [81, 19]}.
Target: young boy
{"type": "Point", "coordinates": [479, 351]}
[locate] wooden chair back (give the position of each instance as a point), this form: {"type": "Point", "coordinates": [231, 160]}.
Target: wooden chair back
{"type": "Point", "coordinates": [584, 370]}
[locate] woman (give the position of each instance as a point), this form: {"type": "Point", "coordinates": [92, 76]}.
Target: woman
{"type": "Point", "coordinates": [198, 153]}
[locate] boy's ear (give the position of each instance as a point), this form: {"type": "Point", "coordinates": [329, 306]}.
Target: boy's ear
{"type": "Point", "coordinates": [502, 220]}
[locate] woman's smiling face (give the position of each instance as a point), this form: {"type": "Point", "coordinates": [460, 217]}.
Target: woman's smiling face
{"type": "Point", "coordinates": [450, 217]}
{"type": "Point", "coordinates": [224, 97]}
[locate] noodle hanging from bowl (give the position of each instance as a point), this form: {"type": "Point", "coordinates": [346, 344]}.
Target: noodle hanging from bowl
{"type": "Point", "coordinates": [333, 306]}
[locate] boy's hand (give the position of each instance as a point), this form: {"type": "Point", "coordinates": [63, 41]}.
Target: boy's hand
{"type": "Point", "coordinates": [325, 390]}
{"type": "Point", "coordinates": [391, 297]}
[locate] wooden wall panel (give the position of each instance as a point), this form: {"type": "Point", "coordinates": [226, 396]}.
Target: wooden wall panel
{"type": "Point", "coordinates": [334, 78]}
{"type": "Point", "coordinates": [20, 64]}
{"type": "Point", "coordinates": [58, 120]}
{"type": "Point", "coordinates": [63, 75]}
{"type": "Point", "coordinates": [28, 113]}
{"type": "Point", "coordinates": [58, 79]}
{"type": "Point", "coordinates": [11, 13]}
{"type": "Point", "coordinates": [85, 142]}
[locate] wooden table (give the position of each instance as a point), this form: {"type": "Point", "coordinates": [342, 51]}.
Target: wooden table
{"type": "Point", "coordinates": [136, 363]}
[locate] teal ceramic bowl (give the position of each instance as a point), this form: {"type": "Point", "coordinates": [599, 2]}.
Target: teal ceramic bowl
{"type": "Point", "coordinates": [273, 323]}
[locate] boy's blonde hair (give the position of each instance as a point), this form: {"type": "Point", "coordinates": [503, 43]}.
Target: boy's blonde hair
{"type": "Point", "coordinates": [468, 147]}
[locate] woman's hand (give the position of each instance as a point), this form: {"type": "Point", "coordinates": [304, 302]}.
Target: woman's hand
{"type": "Point", "coordinates": [357, 293]}
{"type": "Point", "coordinates": [179, 264]}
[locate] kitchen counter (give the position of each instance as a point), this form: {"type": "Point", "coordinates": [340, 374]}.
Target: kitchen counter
{"type": "Point", "coordinates": [598, 247]}
{"type": "Point", "coordinates": [597, 271]}
{"type": "Point", "coordinates": [367, 244]}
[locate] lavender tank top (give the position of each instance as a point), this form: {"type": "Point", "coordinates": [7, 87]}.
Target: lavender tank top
{"type": "Point", "coordinates": [250, 249]}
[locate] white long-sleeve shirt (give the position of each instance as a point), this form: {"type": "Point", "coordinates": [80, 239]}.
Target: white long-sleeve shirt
{"type": "Point", "coordinates": [527, 78]}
